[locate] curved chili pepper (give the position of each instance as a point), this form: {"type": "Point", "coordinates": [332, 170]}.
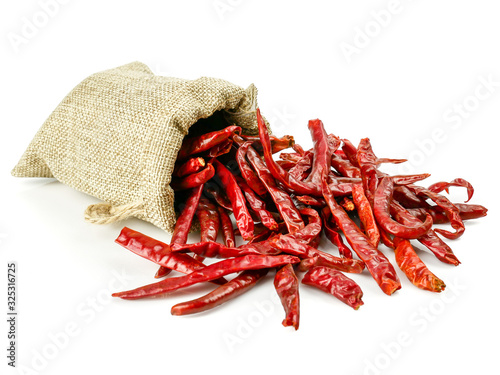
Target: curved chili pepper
{"type": "Point", "coordinates": [257, 205]}
{"type": "Point", "coordinates": [213, 249]}
{"type": "Point", "coordinates": [298, 149]}
{"type": "Point", "coordinates": [277, 144]}
{"type": "Point", "coordinates": [460, 182]}
{"type": "Point", "coordinates": [293, 157]}
{"type": "Point", "coordinates": [220, 149]}
{"type": "Point", "coordinates": [351, 152]}
{"type": "Point", "coordinates": [282, 200]}
{"type": "Point", "coordinates": [247, 172]}
{"type": "Point", "coordinates": [232, 289]}
{"type": "Point", "coordinates": [386, 238]}
{"type": "Point", "coordinates": [286, 164]}
{"type": "Point", "coordinates": [208, 216]}
{"type": "Point", "coordinates": [340, 264]}
{"type": "Point", "coordinates": [365, 214]}
{"type": "Point", "coordinates": [311, 201]}
{"type": "Point", "coordinates": [430, 239]}
{"type": "Point", "coordinates": [227, 227]}
{"type": "Point", "coordinates": [218, 195]}
{"type": "Point", "coordinates": [331, 232]}
{"type": "Point", "coordinates": [287, 287]}
{"type": "Point", "coordinates": [335, 283]}
{"type": "Point", "coordinates": [210, 272]}
{"type": "Point", "coordinates": [466, 211]}
{"type": "Point", "coordinates": [344, 167]}
{"type": "Point", "coordinates": [322, 150]}
{"type": "Point", "coordinates": [408, 179]}
{"type": "Point", "coordinates": [392, 161]}
{"type": "Point", "coordinates": [381, 209]}
{"type": "Point", "coordinates": [313, 228]}
{"type": "Point", "coordinates": [301, 169]}
{"type": "Point", "coordinates": [196, 145]}
{"type": "Point", "coordinates": [348, 204]}
{"type": "Point", "coordinates": [243, 218]}
{"type": "Point", "coordinates": [368, 166]}
{"type": "Point", "coordinates": [408, 198]}
{"type": "Point", "coordinates": [158, 252]}
{"type": "Point", "coordinates": [376, 262]}
{"type": "Point", "coordinates": [450, 210]}
{"type": "Point", "coordinates": [191, 166]}
{"type": "Point", "coordinates": [194, 180]}
{"type": "Point", "coordinates": [416, 271]}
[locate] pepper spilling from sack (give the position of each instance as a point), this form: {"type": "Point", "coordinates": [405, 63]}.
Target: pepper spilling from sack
{"type": "Point", "coordinates": [282, 207]}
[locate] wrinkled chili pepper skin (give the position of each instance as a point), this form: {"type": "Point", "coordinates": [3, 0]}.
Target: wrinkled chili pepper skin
{"type": "Point", "coordinates": [322, 153]}
{"type": "Point", "coordinates": [247, 172]}
{"type": "Point", "coordinates": [365, 214]}
{"type": "Point", "coordinates": [313, 228]}
{"type": "Point", "coordinates": [460, 182]}
{"type": "Point", "coordinates": [381, 209]}
{"type": "Point", "coordinates": [345, 167]}
{"type": "Point", "coordinates": [416, 271]}
{"type": "Point", "coordinates": [218, 195]}
{"type": "Point", "coordinates": [368, 165]}
{"type": "Point", "coordinates": [227, 227]}
{"type": "Point", "coordinates": [213, 249]}
{"type": "Point", "coordinates": [194, 180]}
{"type": "Point", "coordinates": [232, 289]}
{"type": "Point", "coordinates": [191, 166]}
{"type": "Point", "coordinates": [282, 200]}
{"type": "Point", "coordinates": [243, 218]}
{"type": "Point", "coordinates": [376, 262]}
{"type": "Point", "coordinates": [158, 252]}
{"type": "Point", "coordinates": [287, 287]}
{"type": "Point", "coordinates": [196, 145]}
{"type": "Point", "coordinates": [335, 283]}
{"type": "Point", "coordinates": [311, 201]}
{"type": "Point", "coordinates": [409, 179]}
{"type": "Point", "coordinates": [331, 233]}
{"type": "Point", "coordinates": [350, 151]}
{"type": "Point", "coordinates": [210, 272]}
{"type": "Point", "coordinates": [466, 212]}
{"type": "Point", "coordinates": [301, 169]}
{"type": "Point", "coordinates": [209, 219]}
{"type": "Point", "coordinates": [277, 144]}
{"type": "Point", "coordinates": [340, 264]}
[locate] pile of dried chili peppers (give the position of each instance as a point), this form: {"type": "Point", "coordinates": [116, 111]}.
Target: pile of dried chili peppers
{"type": "Point", "coordinates": [281, 209]}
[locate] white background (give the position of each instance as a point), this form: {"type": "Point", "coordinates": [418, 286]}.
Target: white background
{"type": "Point", "coordinates": [410, 75]}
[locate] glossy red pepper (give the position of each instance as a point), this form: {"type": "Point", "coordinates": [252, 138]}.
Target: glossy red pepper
{"type": "Point", "coordinates": [466, 212]}
{"type": "Point", "coordinates": [277, 144]}
{"type": "Point", "coordinates": [202, 143]}
{"type": "Point", "coordinates": [331, 232]}
{"type": "Point", "coordinates": [213, 249]}
{"type": "Point", "coordinates": [217, 193]}
{"type": "Point", "coordinates": [368, 165]}
{"type": "Point", "coordinates": [210, 272]}
{"type": "Point", "coordinates": [209, 220]}
{"type": "Point", "coordinates": [335, 283]}
{"type": "Point", "coordinates": [193, 180]}
{"type": "Point", "coordinates": [242, 283]}
{"type": "Point", "coordinates": [340, 264]}
{"type": "Point", "coordinates": [247, 172]}
{"type": "Point", "coordinates": [313, 228]}
{"type": "Point", "coordinates": [460, 182]}
{"type": "Point", "coordinates": [243, 218]}
{"type": "Point", "coordinates": [287, 287]}
{"type": "Point", "coordinates": [365, 214]}
{"type": "Point", "coordinates": [227, 227]}
{"type": "Point", "coordinates": [302, 168]}
{"type": "Point", "coordinates": [191, 166]}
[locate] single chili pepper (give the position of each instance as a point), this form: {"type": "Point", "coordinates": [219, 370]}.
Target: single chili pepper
{"type": "Point", "coordinates": [340, 264]}
{"type": "Point", "coordinates": [210, 272]}
{"type": "Point", "coordinates": [298, 148]}
{"type": "Point", "coordinates": [286, 164]}
{"type": "Point", "coordinates": [408, 179]}
{"type": "Point", "coordinates": [213, 249]}
{"type": "Point", "coordinates": [381, 209]}
{"type": "Point", "coordinates": [282, 176]}
{"type": "Point", "coordinates": [467, 212]}
{"type": "Point", "coordinates": [450, 210]}
{"type": "Point", "coordinates": [277, 144]}
{"type": "Point", "coordinates": [348, 204]}
{"type": "Point", "coordinates": [416, 271]}
{"type": "Point", "coordinates": [331, 232]}
{"type": "Point", "coordinates": [194, 180]}
{"type": "Point", "coordinates": [365, 214]}
{"type": "Point", "coordinates": [208, 216]}
{"type": "Point", "coordinates": [183, 225]}
{"type": "Point", "coordinates": [242, 283]}
{"type": "Point", "coordinates": [158, 252]}
{"type": "Point", "coordinates": [301, 169]}
{"type": "Point", "coordinates": [340, 190]}
{"type": "Point", "coordinates": [227, 227]}
{"type": "Point", "coordinates": [341, 154]}
{"type": "Point", "coordinates": [291, 246]}
{"type": "Point", "coordinates": [220, 149]}
{"type": "Point", "coordinates": [218, 195]}
{"type": "Point", "coordinates": [386, 238]}
{"type": "Point", "coordinates": [243, 218]}
{"type": "Point", "coordinates": [313, 228]}
{"type": "Point", "coordinates": [408, 198]}
{"type": "Point", "coordinates": [282, 200]}
{"type": "Point", "coordinates": [323, 150]}
{"type": "Point", "coordinates": [430, 239]}
{"type": "Point", "coordinates": [335, 283]}
{"type": "Point", "coordinates": [257, 205]}
{"type": "Point", "coordinates": [391, 161]}
{"type": "Point", "coordinates": [345, 167]}
{"type": "Point", "coordinates": [311, 201]}
{"type": "Point", "coordinates": [196, 145]}
{"type": "Point", "coordinates": [351, 152]}
{"type": "Point", "coordinates": [376, 262]}
{"type": "Point", "coordinates": [191, 166]}
{"type": "Point", "coordinates": [368, 166]}
{"type": "Point", "coordinates": [293, 157]}
{"type": "Point", "coordinates": [440, 186]}
{"type": "Point", "coordinates": [287, 287]}
{"type": "Point", "coordinates": [247, 172]}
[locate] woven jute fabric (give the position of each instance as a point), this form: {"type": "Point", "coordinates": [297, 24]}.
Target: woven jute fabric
{"type": "Point", "coordinates": [116, 136]}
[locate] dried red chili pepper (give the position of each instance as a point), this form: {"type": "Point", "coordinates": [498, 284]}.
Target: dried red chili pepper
{"type": "Point", "coordinates": [408, 198]}
{"type": "Point", "coordinates": [466, 211]}
{"type": "Point", "coordinates": [376, 262]}
{"type": "Point", "coordinates": [193, 180]}
{"type": "Point", "coordinates": [368, 165]}
{"type": "Point", "coordinates": [277, 144]}
{"type": "Point", "coordinates": [331, 232]}
{"type": "Point", "coordinates": [232, 289]}
{"type": "Point", "coordinates": [351, 152]}
{"type": "Point", "coordinates": [365, 214]}
{"type": "Point", "coordinates": [243, 218]}
{"type": "Point", "coordinates": [218, 195]}
{"type": "Point", "coordinates": [286, 164]}
{"type": "Point", "coordinates": [416, 271]}
{"type": "Point", "coordinates": [391, 161]}
{"type": "Point", "coordinates": [208, 216]}
{"type": "Point", "coordinates": [220, 149]}
{"type": "Point", "coordinates": [210, 272]}
{"type": "Point", "coordinates": [340, 264]}
{"type": "Point", "coordinates": [313, 228]}
{"type": "Point", "coordinates": [335, 283]}
{"type": "Point", "coordinates": [348, 204]}
{"type": "Point", "coordinates": [202, 143]}
{"type": "Point", "coordinates": [227, 227]}
{"type": "Point", "coordinates": [213, 249]}
{"type": "Point", "coordinates": [191, 166]}
{"type": "Point", "coordinates": [257, 205]}
{"type": "Point", "coordinates": [460, 182]}
{"type": "Point", "coordinates": [311, 201]}
{"type": "Point", "coordinates": [158, 252]}
{"type": "Point", "coordinates": [381, 209]}
{"type": "Point", "coordinates": [247, 172]}
{"type": "Point", "coordinates": [407, 179]}
{"type": "Point", "coordinates": [287, 287]}
{"type": "Point", "coordinates": [301, 169]}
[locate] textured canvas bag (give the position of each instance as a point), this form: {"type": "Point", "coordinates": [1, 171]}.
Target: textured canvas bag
{"type": "Point", "coordinates": [116, 136]}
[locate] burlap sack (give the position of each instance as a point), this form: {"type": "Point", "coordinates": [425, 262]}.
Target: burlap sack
{"type": "Point", "coordinates": [117, 134]}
